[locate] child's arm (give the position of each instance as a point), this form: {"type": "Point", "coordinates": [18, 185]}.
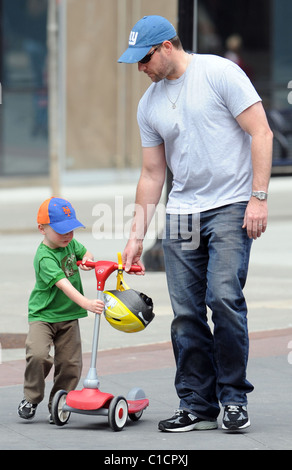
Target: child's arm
{"type": "Point", "coordinates": [95, 306]}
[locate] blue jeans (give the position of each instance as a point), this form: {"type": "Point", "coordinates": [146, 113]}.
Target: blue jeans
{"type": "Point", "coordinates": [211, 365]}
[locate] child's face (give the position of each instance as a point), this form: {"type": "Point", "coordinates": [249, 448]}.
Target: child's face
{"type": "Point", "coordinates": [53, 239]}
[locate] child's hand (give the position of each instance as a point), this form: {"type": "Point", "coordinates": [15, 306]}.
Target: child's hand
{"type": "Point", "coordinates": [82, 266]}
{"type": "Point", "coordinates": [95, 306]}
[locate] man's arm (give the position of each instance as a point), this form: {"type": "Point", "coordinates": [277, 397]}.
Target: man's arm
{"type": "Point", "coordinates": [254, 121]}
{"type": "Point", "coordinates": [148, 194]}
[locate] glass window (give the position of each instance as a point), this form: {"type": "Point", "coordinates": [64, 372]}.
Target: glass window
{"type": "Point", "coordinates": [239, 30]}
{"type": "Point", "coordinates": [280, 114]}
{"type": "Point", "coordinates": [257, 36]}
{"type": "Point", "coordinates": [23, 124]}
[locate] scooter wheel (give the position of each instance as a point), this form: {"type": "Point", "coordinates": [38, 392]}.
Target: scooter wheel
{"type": "Point", "coordinates": [59, 416]}
{"type": "Point", "coordinates": [136, 416]}
{"type": "Point", "coordinates": [136, 393]}
{"type": "Point", "coordinates": [118, 413]}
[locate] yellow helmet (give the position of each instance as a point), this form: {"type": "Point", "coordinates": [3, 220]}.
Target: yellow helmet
{"type": "Point", "coordinates": [128, 310]}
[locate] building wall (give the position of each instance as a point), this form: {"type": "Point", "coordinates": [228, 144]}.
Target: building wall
{"type": "Point", "coordinates": [102, 95]}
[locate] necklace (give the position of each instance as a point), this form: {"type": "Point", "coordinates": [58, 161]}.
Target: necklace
{"type": "Point", "coordinates": [173, 103]}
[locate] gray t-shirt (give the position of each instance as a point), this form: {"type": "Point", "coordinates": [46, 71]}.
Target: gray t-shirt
{"type": "Point", "coordinates": [206, 149]}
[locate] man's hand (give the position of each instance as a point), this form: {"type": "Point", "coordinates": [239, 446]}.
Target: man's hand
{"type": "Point", "coordinates": [256, 218]}
{"type": "Point", "coordinates": [132, 254]}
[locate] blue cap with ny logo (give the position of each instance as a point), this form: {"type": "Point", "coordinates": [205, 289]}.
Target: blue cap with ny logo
{"type": "Point", "coordinates": [148, 32]}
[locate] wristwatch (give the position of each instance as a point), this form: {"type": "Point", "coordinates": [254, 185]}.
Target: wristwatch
{"type": "Point", "coordinates": [261, 195]}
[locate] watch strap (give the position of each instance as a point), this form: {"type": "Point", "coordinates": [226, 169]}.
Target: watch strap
{"type": "Point", "coordinates": [261, 195]}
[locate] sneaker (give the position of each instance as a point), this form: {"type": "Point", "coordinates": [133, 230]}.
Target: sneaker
{"type": "Point", "coordinates": [26, 410]}
{"type": "Point", "coordinates": [184, 421]}
{"type": "Point", "coordinates": [235, 417]}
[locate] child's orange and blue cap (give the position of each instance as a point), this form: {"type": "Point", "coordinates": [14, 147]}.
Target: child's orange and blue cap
{"type": "Point", "coordinates": [59, 214]}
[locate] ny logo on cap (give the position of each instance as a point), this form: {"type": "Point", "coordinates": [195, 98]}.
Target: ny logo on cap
{"type": "Point", "coordinates": [66, 210]}
{"type": "Point", "coordinates": [133, 38]}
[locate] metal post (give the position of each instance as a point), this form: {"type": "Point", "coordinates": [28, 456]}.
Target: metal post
{"type": "Point", "coordinates": [91, 380]}
{"type": "Point", "coordinates": [62, 74]}
{"type": "Point", "coordinates": [52, 35]}
{"type": "Point", "coordinates": [195, 27]}
{"type": "Point", "coordinates": [121, 89]}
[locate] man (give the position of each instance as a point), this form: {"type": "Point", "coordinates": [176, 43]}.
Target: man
{"type": "Point", "coordinates": [202, 117]}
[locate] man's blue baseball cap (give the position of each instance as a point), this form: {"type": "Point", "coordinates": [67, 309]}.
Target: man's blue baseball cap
{"type": "Point", "coordinates": [148, 32]}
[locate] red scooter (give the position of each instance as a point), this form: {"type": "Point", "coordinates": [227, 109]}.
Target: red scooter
{"type": "Point", "coordinates": [90, 400]}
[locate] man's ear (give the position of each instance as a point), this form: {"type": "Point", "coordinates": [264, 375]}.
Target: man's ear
{"type": "Point", "coordinates": [167, 46]}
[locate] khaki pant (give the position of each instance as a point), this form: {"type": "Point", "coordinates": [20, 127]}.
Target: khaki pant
{"type": "Point", "coordinates": [67, 359]}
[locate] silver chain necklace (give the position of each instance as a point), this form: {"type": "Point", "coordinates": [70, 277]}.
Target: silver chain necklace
{"type": "Point", "coordinates": [173, 103]}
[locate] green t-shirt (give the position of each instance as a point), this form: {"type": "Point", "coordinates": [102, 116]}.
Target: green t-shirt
{"type": "Point", "coordinates": [47, 302]}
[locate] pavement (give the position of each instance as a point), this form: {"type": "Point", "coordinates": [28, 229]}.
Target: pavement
{"type": "Point", "coordinates": [103, 202]}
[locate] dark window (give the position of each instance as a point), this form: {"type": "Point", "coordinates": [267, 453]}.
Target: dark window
{"type": "Point", "coordinates": [23, 112]}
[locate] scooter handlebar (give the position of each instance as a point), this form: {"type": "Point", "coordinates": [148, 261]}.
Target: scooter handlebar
{"type": "Point", "coordinates": [89, 264]}
{"type": "Point", "coordinates": [103, 269]}
{"type": "Point", "coordinates": [94, 264]}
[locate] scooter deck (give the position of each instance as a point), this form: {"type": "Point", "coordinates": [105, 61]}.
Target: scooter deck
{"type": "Point", "coordinates": [88, 399]}
{"type": "Point", "coordinates": [134, 406]}
{"type": "Point", "coordinates": [93, 399]}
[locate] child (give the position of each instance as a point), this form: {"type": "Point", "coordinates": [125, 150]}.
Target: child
{"type": "Point", "coordinates": [55, 304]}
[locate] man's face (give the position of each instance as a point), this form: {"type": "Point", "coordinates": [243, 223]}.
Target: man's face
{"type": "Point", "coordinates": [158, 66]}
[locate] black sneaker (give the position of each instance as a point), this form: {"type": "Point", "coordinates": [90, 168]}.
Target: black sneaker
{"type": "Point", "coordinates": [184, 421]}
{"type": "Point", "coordinates": [235, 417]}
{"type": "Point", "coordinates": [26, 410]}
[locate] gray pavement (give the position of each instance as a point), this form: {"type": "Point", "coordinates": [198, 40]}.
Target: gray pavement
{"type": "Point", "coordinates": [144, 359]}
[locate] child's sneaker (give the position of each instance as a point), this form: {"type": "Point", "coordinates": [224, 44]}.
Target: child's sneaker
{"type": "Point", "coordinates": [235, 418]}
{"type": "Point", "coordinates": [26, 410]}
{"type": "Point", "coordinates": [184, 421]}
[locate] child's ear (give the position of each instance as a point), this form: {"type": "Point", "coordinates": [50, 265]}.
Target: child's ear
{"type": "Point", "coordinates": [41, 229]}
